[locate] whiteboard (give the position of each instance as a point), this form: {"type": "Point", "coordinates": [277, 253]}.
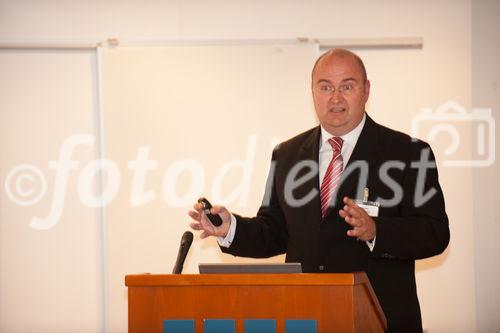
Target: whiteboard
{"type": "Point", "coordinates": [205, 119]}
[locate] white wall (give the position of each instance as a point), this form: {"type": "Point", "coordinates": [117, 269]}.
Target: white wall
{"type": "Point", "coordinates": [50, 279]}
{"type": "Point", "coordinates": [446, 29]}
{"type": "Point", "coordinates": [486, 93]}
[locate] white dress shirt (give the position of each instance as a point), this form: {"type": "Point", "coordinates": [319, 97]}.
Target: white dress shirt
{"type": "Point", "coordinates": [325, 155]}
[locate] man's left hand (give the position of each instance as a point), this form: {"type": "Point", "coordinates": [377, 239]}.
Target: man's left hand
{"type": "Point", "coordinates": [364, 227]}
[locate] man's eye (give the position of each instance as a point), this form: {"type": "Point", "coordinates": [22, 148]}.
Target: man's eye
{"type": "Point", "coordinates": [326, 88]}
{"type": "Point", "coordinates": [346, 87]}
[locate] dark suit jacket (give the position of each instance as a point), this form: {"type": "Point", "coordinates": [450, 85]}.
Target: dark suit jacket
{"type": "Point", "coordinates": [405, 232]}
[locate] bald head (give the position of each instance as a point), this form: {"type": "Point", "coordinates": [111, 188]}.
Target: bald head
{"type": "Point", "coordinates": [340, 53]}
{"type": "Point", "coordinates": [340, 91]}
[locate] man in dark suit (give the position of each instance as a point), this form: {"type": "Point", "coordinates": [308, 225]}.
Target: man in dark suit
{"type": "Point", "coordinates": [349, 195]}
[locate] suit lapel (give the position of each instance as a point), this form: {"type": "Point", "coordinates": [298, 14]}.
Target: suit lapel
{"type": "Point", "coordinates": [309, 151]}
{"type": "Point", "coordinates": [310, 215]}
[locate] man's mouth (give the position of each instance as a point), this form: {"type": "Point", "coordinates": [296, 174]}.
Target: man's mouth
{"type": "Point", "coordinates": [337, 109]}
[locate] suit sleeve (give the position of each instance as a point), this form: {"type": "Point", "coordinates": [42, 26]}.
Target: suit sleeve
{"type": "Point", "coordinates": [264, 235]}
{"type": "Point", "coordinates": [421, 228]}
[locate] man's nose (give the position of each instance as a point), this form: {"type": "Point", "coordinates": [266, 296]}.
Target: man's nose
{"type": "Point", "coordinates": [336, 96]}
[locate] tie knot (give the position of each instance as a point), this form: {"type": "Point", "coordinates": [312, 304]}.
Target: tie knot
{"type": "Point", "coordinates": [336, 143]}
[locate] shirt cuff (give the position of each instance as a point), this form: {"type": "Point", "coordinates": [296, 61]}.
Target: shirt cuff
{"type": "Point", "coordinates": [228, 240]}
{"type": "Point", "coordinates": [371, 244]}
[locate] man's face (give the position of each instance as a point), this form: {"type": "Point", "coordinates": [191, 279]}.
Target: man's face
{"type": "Point", "coordinates": [339, 93]}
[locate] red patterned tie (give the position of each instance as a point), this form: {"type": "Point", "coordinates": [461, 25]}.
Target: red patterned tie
{"type": "Point", "coordinates": [332, 175]}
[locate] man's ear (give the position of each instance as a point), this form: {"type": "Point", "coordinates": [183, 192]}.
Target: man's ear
{"type": "Point", "coordinates": [367, 89]}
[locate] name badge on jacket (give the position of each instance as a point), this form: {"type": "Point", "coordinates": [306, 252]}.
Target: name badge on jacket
{"type": "Point", "coordinates": [370, 207]}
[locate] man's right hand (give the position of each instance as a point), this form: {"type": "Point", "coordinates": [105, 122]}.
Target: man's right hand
{"type": "Point", "coordinates": [201, 221]}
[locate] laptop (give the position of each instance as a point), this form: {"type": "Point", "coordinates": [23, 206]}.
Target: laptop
{"type": "Point", "coordinates": [268, 268]}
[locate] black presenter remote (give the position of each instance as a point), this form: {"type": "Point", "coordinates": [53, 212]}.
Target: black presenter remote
{"type": "Point", "coordinates": [215, 219]}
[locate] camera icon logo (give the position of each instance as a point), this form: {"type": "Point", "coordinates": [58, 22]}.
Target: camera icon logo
{"type": "Point", "coordinates": [470, 135]}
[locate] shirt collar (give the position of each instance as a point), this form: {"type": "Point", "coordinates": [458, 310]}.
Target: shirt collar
{"type": "Point", "coordinates": [349, 138]}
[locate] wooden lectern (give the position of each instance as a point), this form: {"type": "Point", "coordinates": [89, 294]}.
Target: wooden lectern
{"type": "Point", "coordinates": [338, 302]}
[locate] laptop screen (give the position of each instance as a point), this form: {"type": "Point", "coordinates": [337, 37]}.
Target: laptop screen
{"type": "Point", "coordinates": [267, 268]}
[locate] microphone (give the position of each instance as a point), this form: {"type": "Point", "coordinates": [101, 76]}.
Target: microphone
{"type": "Point", "coordinates": [186, 240]}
